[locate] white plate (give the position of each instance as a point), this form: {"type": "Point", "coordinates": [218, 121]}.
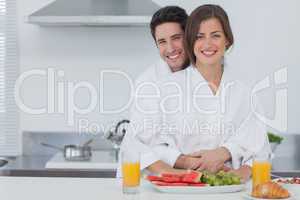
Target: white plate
{"type": "Point", "coordinates": [249, 197]}
{"type": "Point", "coordinates": [199, 189]}
{"type": "Point", "coordinates": [292, 188]}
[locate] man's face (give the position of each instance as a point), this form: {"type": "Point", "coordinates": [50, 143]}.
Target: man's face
{"type": "Point", "coordinates": [169, 41]}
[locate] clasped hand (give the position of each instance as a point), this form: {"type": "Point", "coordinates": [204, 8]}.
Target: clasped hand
{"type": "Point", "coordinates": [209, 160]}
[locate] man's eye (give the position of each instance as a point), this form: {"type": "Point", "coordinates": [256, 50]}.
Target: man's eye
{"type": "Point", "coordinates": [177, 38]}
{"type": "Point", "coordinates": [161, 42]}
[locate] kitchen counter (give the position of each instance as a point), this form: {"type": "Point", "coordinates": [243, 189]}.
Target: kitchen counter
{"type": "Point", "coordinates": [34, 188]}
{"type": "Point", "coordinates": [25, 184]}
{"type": "Point", "coordinates": [34, 166]}
{"type": "Point", "coordinates": [28, 162]}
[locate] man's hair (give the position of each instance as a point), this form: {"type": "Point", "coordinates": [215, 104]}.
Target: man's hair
{"type": "Point", "coordinates": [168, 14]}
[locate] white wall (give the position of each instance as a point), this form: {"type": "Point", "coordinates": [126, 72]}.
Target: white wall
{"type": "Point", "coordinates": [266, 39]}
{"type": "Point", "coordinates": [82, 53]}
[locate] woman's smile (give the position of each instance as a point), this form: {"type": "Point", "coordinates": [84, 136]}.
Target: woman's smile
{"type": "Point", "coordinates": [210, 45]}
{"type": "Point", "coordinates": [209, 53]}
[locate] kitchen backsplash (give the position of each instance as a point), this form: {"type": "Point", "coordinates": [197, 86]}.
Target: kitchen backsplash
{"type": "Point", "coordinates": [286, 155]}
{"type": "Point", "coordinates": [32, 141]}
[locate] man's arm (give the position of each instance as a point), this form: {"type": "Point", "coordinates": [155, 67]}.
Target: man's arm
{"type": "Point", "coordinates": [249, 138]}
{"type": "Point", "coordinates": [161, 167]}
{"type": "Point", "coordinates": [174, 158]}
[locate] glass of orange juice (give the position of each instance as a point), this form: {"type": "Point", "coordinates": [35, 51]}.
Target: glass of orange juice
{"type": "Point", "coordinates": [130, 171]}
{"type": "Point", "coordinates": [261, 169]}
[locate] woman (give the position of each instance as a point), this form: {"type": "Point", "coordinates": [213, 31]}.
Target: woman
{"type": "Point", "coordinates": [205, 111]}
{"type": "Point", "coordinates": [208, 37]}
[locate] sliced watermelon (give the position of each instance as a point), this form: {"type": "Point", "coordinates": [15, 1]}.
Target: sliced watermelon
{"type": "Point", "coordinates": [154, 178]}
{"type": "Point", "coordinates": [167, 179]}
{"type": "Point", "coordinates": [197, 184]}
{"type": "Point", "coordinates": [192, 177]}
{"type": "Point", "coordinates": [171, 179]}
{"type": "Point", "coordinates": [162, 183]}
{"type": "Point", "coordinates": [172, 175]}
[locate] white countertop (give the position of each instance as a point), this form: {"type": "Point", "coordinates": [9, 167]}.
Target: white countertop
{"type": "Point", "coordinates": [99, 160]}
{"type": "Point", "coordinates": [37, 188]}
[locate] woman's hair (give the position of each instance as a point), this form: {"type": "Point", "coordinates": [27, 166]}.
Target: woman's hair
{"type": "Point", "coordinates": [199, 15]}
{"type": "Point", "coordinates": [168, 14]}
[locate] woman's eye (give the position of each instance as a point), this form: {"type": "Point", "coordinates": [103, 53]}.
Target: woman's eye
{"type": "Point", "coordinates": [216, 36]}
{"type": "Point", "coordinates": [199, 36]}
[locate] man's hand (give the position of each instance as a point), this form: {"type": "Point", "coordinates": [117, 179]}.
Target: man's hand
{"type": "Point", "coordinates": [212, 160]}
{"type": "Point", "coordinates": [161, 167]}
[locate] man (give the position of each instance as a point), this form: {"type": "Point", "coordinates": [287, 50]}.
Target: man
{"type": "Point", "coordinates": [168, 135]}
{"type": "Point", "coordinates": [167, 29]}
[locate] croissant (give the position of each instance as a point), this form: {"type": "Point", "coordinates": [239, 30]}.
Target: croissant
{"type": "Point", "coordinates": [270, 190]}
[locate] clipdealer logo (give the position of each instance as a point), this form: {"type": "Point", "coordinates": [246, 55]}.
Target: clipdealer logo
{"type": "Point", "coordinates": [61, 95]}
{"type": "Point", "coordinates": [280, 119]}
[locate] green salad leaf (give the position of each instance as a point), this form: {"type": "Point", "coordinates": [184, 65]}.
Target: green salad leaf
{"type": "Point", "coordinates": [274, 138]}
{"type": "Point", "coordinates": [220, 178]}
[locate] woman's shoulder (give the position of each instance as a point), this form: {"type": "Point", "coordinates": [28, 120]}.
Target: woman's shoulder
{"type": "Point", "coordinates": [235, 79]}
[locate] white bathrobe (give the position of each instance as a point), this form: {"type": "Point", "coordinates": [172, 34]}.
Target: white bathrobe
{"type": "Point", "coordinates": [180, 115]}
{"type": "Point", "coordinates": [152, 76]}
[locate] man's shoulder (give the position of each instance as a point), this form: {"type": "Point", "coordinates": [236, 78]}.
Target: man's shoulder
{"type": "Point", "coordinates": [178, 76]}
{"type": "Point", "coordinates": [154, 73]}
{"type": "Point", "coordinates": [147, 75]}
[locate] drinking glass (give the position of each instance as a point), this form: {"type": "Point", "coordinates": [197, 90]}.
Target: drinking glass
{"type": "Point", "coordinates": [261, 169]}
{"type": "Point", "coordinates": [130, 171]}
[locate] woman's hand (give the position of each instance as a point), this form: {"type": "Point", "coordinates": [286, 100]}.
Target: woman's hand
{"type": "Point", "coordinates": [187, 162]}
{"type": "Point", "coordinates": [244, 172]}
{"type": "Point", "coordinates": [212, 160]}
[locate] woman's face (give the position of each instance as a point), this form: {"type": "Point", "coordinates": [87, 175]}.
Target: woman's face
{"type": "Point", "coordinates": [210, 45]}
